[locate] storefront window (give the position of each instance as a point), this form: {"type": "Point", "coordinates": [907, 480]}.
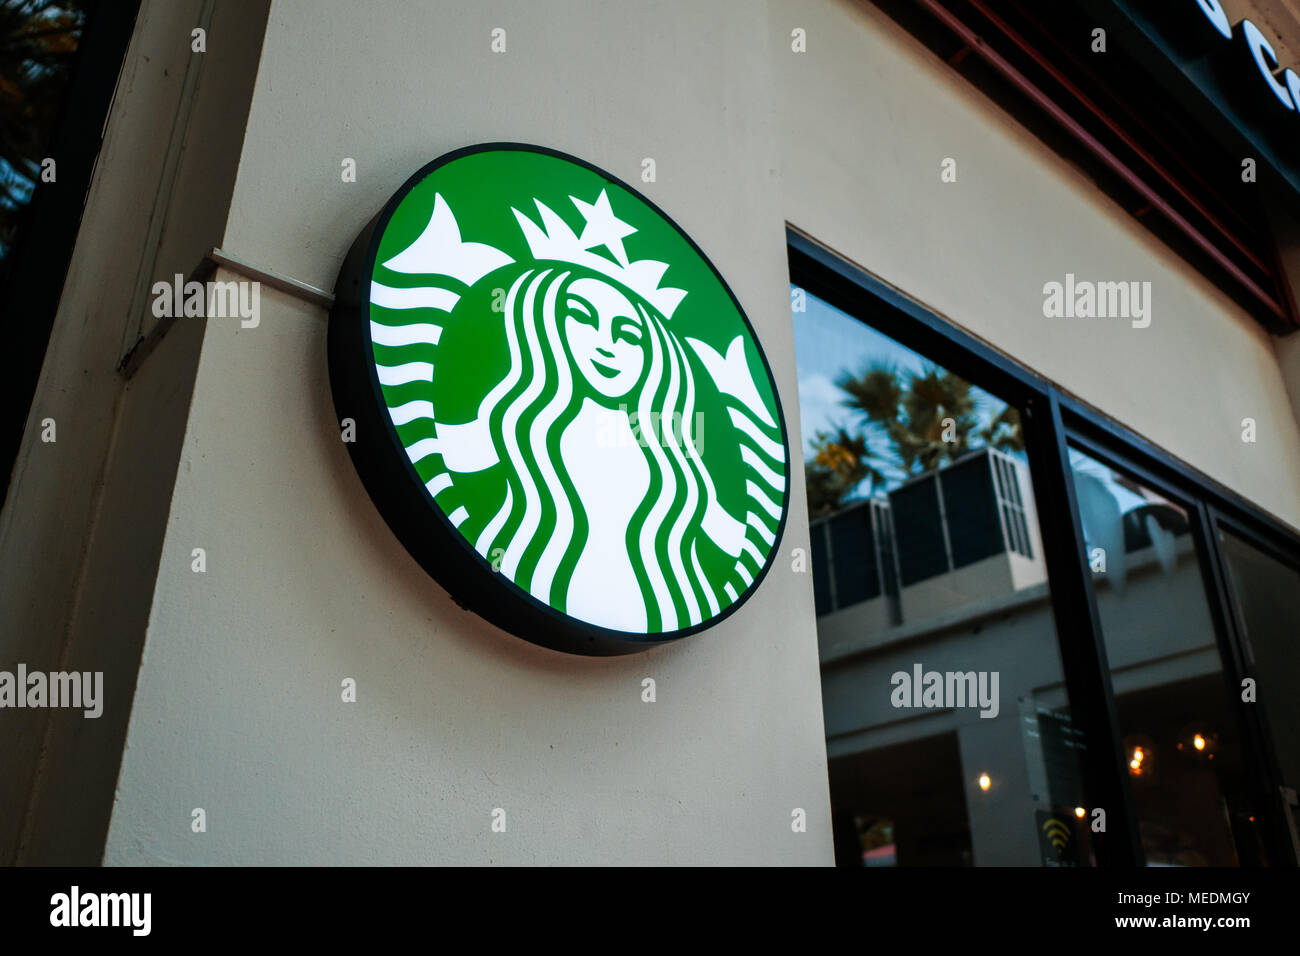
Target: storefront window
{"type": "Point", "coordinates": [1181, 737]}
{"type": "Point", "coordinates": [1264, 591]}
{"type": "Point", "coordinates": [949, 730]}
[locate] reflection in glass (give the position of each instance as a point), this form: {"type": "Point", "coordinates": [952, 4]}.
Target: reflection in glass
{"type": "Point", "coordinates": [948, 725]}
{"type": "Point", "coordinates": [1265, 592]}
{"type": "Point", "coordinates": [1181, 735]}
{"type": "Point", "coordinates": [39, 40]}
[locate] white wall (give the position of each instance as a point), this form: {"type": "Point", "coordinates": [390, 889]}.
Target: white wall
{"type": "Point", "coordinates": [238, 705]}
{"type": "Point", "coordinates": [867, 115]}
{"type": "Point", "coordinates": [82, 526]}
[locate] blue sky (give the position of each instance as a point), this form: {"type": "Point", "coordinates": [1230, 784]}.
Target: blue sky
{"type": "Point", "coordinates": [828, 343]}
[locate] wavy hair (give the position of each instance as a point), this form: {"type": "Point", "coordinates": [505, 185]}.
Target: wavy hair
{"type": "Point", "coordinates": [542, 524]}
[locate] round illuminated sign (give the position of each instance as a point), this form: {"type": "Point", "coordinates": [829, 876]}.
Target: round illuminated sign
{"type": "Point", "coordinates": [557, 404]}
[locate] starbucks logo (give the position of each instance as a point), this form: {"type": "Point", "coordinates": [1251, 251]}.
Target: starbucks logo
{"type": "Point", "coordinates": [560, 408]}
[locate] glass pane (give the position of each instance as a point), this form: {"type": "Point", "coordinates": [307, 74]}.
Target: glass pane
{"type": "Point", "coordinates": [40, 45]}
{"type": "Point", "coordinates": [1182, 737]}
{"type": "Point", "coordinates": [948, 724]}
{"type": "Point", "coordinates": [1264, 591]}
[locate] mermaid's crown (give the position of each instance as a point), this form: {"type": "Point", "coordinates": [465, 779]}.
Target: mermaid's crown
{"type": "Point", "coordinates": [554, 241]}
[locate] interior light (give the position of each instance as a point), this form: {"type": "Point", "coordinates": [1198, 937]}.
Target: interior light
{"type": "Point", "coordinates": [1135, 764]}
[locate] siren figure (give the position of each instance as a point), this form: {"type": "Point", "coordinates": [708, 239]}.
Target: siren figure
{"type": "Point", "coordinates": [609, 512]}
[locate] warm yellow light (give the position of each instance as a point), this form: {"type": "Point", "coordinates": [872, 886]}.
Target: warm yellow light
{"type": "Point", "coordinates": [1198, 742]}
{"type": "Point", "coordinates": [1079, 812]}
{"type": "Point", "coordinates": [985, 782]}
{"type": "Point", "coordinates": [1135, 764]}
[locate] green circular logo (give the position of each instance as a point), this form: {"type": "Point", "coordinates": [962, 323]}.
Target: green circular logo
{"type": "Point", "coordinates": [572, 423]}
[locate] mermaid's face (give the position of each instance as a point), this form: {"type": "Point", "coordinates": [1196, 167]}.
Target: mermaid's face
{"type": "Point", "coordinates": [605, 336]}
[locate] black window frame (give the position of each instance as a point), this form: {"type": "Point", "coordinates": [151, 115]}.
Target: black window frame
{"type": "Point", "coordinates": [1054, 421]}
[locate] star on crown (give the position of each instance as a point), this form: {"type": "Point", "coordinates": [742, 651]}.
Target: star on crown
{"type": "Point", "coordinates": [555, 241]}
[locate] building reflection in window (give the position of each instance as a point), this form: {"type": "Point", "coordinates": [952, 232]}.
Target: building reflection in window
{"type": "Point", "coordinates": [1181, 736]}
{"type": "Point", "coordinates": [948, 724]}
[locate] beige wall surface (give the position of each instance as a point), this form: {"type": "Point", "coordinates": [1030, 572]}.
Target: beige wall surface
{"type": "Point", "coordinates": [82, 525]}
{"type": "Point", "coordinates": [238, 707]}
{"type": "Point", "coordinates": [238, 710]}
{"type": "Point", "coordinates": [54, 492]}
{"type": "Point", "coordinates": [867, 115]}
